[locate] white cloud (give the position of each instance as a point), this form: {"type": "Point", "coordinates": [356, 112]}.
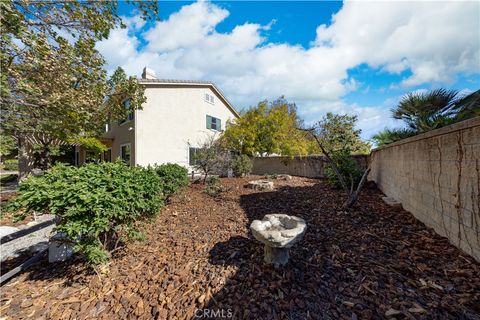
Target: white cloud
{"type": "Point", "coordinates": [434, 40]}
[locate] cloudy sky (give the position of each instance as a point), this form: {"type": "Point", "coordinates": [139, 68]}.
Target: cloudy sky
{"type": "Point", "coordinates": [353, 57]}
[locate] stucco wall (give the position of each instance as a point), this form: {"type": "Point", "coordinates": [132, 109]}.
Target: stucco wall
{"type": "Point", "coordinates": [120, 135]}
{"type": "Point", "coordinates": [172, 119]}
{"type": "Point", "coordinates": [436, 176]}
{"type": "Point", "coordinates": [307, 166]}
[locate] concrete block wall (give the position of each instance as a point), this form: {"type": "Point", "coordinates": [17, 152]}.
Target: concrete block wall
{"type": "Point", "coordinates": [306, 166]}
{"type": "Point", "coordinates": [436, 176]}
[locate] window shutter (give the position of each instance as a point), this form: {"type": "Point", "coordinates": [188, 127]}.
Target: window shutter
{"type": "Point", "coordinates": [209, 122]}
{"type": "Point", "coordinates": [219, 125]}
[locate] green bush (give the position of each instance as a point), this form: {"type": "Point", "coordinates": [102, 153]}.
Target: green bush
{"type": "Point", "coordinates": [10, 165]}
{"type": "Point", "coordinates": [242, 165]}
{"type": "Point", "coordinates": [173, 176]}
{"type": "Point", "coordinates": [347, 166]}
{"type": "Point", "coordinates": [213, 188]}
{"type": "Point", "coordinates": [97, 204]}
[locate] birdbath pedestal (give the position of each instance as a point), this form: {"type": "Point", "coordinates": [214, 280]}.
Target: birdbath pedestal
{"type": "Point", "coordinates": [278, 232]}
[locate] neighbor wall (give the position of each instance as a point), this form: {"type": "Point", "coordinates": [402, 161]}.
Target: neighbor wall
{"type": "Point", "coordinates": [436, 176]}
{"type": "Point", "coordinates": [306, 166]}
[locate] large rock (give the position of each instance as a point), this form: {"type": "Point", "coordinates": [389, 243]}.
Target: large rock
{"type": "Point", "coordinates": [260, 185]}
{"type": "Point", "coordinates": [278, 232]}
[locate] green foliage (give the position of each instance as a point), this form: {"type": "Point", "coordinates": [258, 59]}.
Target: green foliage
{"type": "Point", "coordinates": [391, 135]}
{"type": "Point", "coordinates": [425, 111]}
{"type": "Point", "coordinates": [173, 176]}
{"type": "Point", "coordinates": [213, 188]}
{"type": "Point", "coordinates": [7, 144]}
{"type": "Point", "coordinates": [338, 133]}
{"type": "Point", "coordinates": [10, 165]}
{"type": "Point", "coordinates": [268, 128]}
{"type": "Point", "coordinates": [211, 158]}
{"type": "Point", "coordinates": [347, 166]}
{"type": "Point", "coordinates": [338, 140]}
{"type": "Point", "coordinates": [242, 165]}
{"type": "Point", "coordinates": [93, 147]}
{"type": "Point", "coordinates": [95, 202]}
{"type": "Point", "coordinates": [53, 85]}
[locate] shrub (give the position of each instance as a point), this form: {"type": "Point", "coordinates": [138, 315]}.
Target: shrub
{"type": "Point", "coordinates": [211, 158]}
{"type": "Point", "coordinates": [173, 176]}
{"type": "Point", "coordinates": [347, 166]}
{"type": "Point", "coordinates": [96, 203]}
{"type": "Point", "coordinates": [10, 165]}
{"type": "Point", "coordinates": [212, 188]}
{"type": "Point", "coordinates": [241, 165]}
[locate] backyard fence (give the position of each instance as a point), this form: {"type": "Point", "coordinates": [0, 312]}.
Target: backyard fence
{"type": "Point", "coordinates": [306, 166]}
{"type": "Point", "coordinates": [436, 176]}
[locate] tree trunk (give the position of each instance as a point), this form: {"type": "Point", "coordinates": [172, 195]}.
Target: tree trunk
{"type": "Point", "coordinates": [46, 157]}
{"type": "Point", "coordinates": [353, 196]}
{"type": "Point", "coordinates": [25, 160]}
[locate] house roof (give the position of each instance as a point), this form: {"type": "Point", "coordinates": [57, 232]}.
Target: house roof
{"type": "Point", "coordinates": [199, 83]}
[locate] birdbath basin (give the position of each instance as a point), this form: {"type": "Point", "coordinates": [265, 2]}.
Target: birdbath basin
{"type": "Point", "coordinates": [278, 232]}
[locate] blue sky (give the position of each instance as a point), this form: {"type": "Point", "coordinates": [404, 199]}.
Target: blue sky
{"type": "Point", "coordinates": [353, 57]}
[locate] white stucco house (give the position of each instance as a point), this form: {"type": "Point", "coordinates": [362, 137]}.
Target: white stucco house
{"type": "Point", "coordinates": [176, 118]}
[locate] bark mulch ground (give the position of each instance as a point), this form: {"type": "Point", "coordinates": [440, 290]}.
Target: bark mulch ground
{"type": "Point", "coordinates": [199, 259]}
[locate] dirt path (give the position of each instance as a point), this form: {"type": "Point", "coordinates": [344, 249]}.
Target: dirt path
{"type": "Point", "coordinates": [369, 262]}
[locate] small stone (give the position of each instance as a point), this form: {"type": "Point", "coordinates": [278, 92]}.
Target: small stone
{"type": "Point", "coordinates": [260, 185]}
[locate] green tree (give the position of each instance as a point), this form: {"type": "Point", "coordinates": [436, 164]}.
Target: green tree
{"type": "Point", "coordinates": [268, 128]}
{"type": "Point", "coordinates": [338, 133]}
{"type": "Point", "coordinates": [391, 135]}
{"type": "Point", "coordinates": [53, 85]}
{"type": "Point", "coordinates": [338, 139]}
{"type": "Point", "coordinates": [425, 111]}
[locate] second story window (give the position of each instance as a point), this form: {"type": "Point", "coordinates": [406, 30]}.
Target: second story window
{"type": "Point", "coordinates": [209, 98]}
{"type": "Point", "coordinates": [126, 105]}
{"type": "Point", "coordinates": [214, 123]}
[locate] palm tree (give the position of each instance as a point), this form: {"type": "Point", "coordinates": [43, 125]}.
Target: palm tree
{"type": "Point", "coordinates": [468, 106]}
{"type": "Point", "coordinates": [425, 111]}
{"type": "Point", "coordinates": [391, 135]}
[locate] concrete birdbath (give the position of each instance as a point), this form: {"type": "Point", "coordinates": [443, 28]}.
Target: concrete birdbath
{"type": "Point", "coordinates": [278, 232]}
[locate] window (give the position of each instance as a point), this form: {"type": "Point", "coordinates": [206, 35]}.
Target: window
{"type": "Point", "coordinates": [214, 123]}
{"type": "Point", "coordinates": [191, 155]}
{"type": "Point", "coordinates": [125, 152]}
{"type": "Point", "coordinates": [107, 155]}
{"type": "Point", "coordinates": [126, 105]}
{"type": "Point", "coordinates": [209, 98]}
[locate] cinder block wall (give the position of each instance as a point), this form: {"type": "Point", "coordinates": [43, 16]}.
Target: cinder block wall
{"type": "Point", "coordinates": [436, 176]}
{"type": "Point", "coordinates": [307, 166]}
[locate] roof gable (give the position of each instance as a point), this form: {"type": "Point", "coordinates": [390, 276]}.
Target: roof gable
{"type": "Point", "coordinates": [189, 83]}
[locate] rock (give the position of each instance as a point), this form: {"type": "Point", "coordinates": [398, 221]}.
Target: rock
{"type": "Point", "coordinates": [60, 248]}
{"type": "Point", "coordinates": [260, 185]}
{"type": "Point", "coordinates": [285, 177]}
{"type": "Point", "coordinates": [392, 203]}
{"type": "Point", "coordinates": [278, 232]}
{"type": "Point", "coordinates": [37, 172]}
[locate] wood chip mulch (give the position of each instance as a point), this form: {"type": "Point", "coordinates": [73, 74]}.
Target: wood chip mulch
{"type": "Point", "coordinates": [200, 261]}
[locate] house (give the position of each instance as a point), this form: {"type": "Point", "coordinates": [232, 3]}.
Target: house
{"type": "Point", "coordinates": [175, 120]}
